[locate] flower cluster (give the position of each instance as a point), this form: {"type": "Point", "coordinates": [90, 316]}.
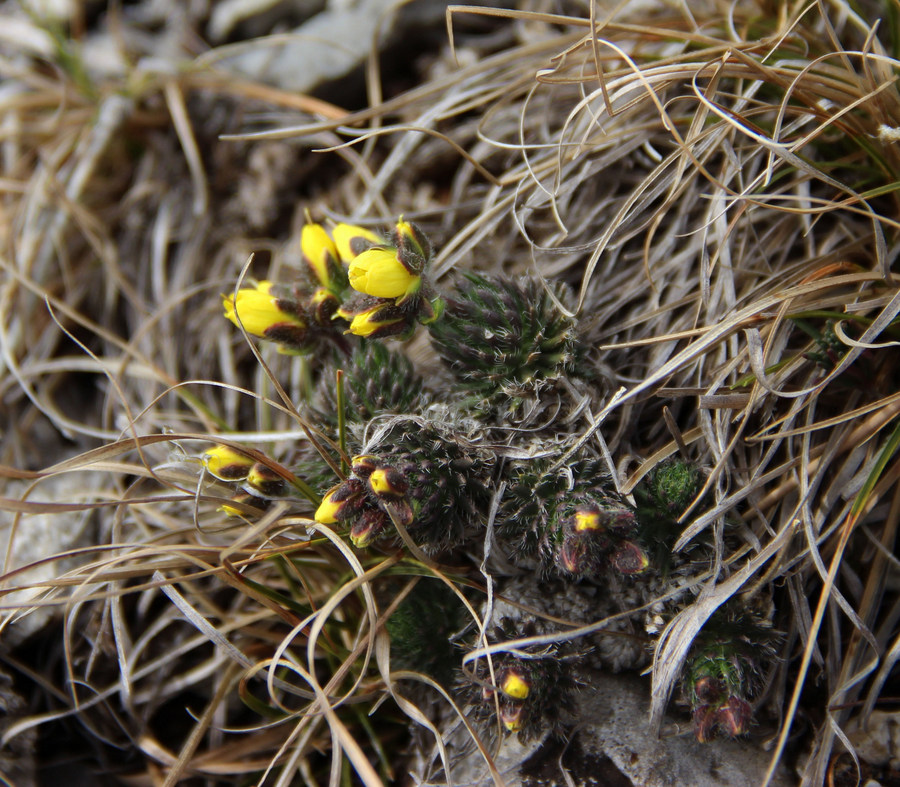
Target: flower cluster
{"type": "Point", "coordinates": [377, 285]}
{"type": "Point", "coordinates": [525, 688]}
{"type": "Point", "coordinates": [257, 481]}
{"type": "Point", "coordinates": [596, 532]}
{"type": "Point", "coordinates": [572, 519]}
{"type": "Point", "coordinates": [412, 475]}
{"type": "Point", "coordinates": [530, 691]}
{"type": "Point", "coordinates": [721, 672]}
{"type": "Point", "coordinates": [372, 497]}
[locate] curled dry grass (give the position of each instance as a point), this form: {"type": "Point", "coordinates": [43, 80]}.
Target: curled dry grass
{"type": "Point", "coordinates": [720, 184]}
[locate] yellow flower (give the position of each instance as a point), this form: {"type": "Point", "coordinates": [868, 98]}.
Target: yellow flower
{"type": "Point", "coordinates": [514, 685]}
{"type": "Point", "coordinates": [587, 519]}
{"type": "Point", "coordinates": [378, 322]}
{"type": "Point", "coordinates": [226, 464]}
{"type": "Point", "coordinates": [326, 513]}
{"type": "Point", "coordinates": [368, 527]}
{"type": "Point", "coordinates": [263, 480]}
{"type": "Point", "coordinates": [352, 240]}
{"type": "Point", "coordinates": [321, 255]}
{"type": "Point", "coordinates": [362, 465]}
{"type": "Point", "coordinates": [388, 481]}
{"type": "Point", "coordinates": [512, 716]}
{"type": "Point", "coordinates": [339, 502]}
{"type": "Point", "coordinates": [263, 314]}
{"type": "Point", "coordinates": [247, 499]}
{"type": "Point", "coordinates": [379, 272]}
{"type": "Point", "coordinates": [362, 536]}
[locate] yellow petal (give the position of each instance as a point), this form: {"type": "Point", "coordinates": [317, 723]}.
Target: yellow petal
{"type": "Point", "coordinates": [326, 513]}
{"type": "Point", "coordinates": [258, 310]}
{"type": "Point", "coordinates": [365, 325]}
{"type": "Point", "coordinates": [319, 252]}
{"type": "Point", "coordinates": [380, 483]}
{"type": "Point", "coordinates": [514, 686]}
{"type": "Point", "coordinates": [352, 240]}
{"type": "Point", "coordinates": [379, 273]}
{"type": "Point", "coordinates": [587, 520]}
{"type": "Point", "coordinates": [226, 464]}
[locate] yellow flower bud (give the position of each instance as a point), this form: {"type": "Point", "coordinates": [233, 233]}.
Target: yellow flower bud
{"type": "Point", "coordinates": [339, 502]}
{"type": "Point", "coordinates": [262, 313]}
{"type": "Point", "coordinates": [351, 241]}
{"type": "Point", "coordinates": [326, 513]}
{"type": "Point", "coordinates": [362, 465]}
{"type": "Point", "coordinates": [412, 241]}
{"type": "Point", "coordinates": [367, 528]}
{"type": "Point", "coordinates": [226, 464]}
{"type": "Point", "coordinates": [379, 272]}
{"type": "Point", "coordinates": [247, 499]}
{"type": "Point", "coordinates": [378, 322]}
{"type": "Point", "coordinates": [630, 559]}
{"type": "Point", "coordinates": [388, 481]}
{"type": "Point", "coordinates": [323, 306]}
{"type": "Point", "coordinates": [587, 519]}
{"type": "Point", "coordinates": [362, 540]}
{"type": "Point", "coordinates": [263, 480]}
{"type": "Point", "coordinates": [321, 255]}
{"type": "Point", "coordinates": [514, 685]}
{"type": "Point", "coordinates": [512, 716]}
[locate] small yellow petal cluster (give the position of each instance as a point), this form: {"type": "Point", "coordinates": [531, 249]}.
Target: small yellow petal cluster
{"type": "Point", "coordinates": [368, 501]}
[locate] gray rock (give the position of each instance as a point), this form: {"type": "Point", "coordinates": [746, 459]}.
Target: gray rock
{"type": "Point", "coordinates": [615, 713]}
{"type": "Point", "coordinates": [330, 44]}
{"type": "Point", "coordinates": [611, 745]}
{"type": "Point", "coordinates": [34, 538]}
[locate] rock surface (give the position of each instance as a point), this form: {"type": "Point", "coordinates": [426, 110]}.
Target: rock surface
{"type": "Point", "coordinates": [613, 746]}
{"type": "Point", "coordinates": [332, 43]}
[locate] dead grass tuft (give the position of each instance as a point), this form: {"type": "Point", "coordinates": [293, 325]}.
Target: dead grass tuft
{"type": "Point", "coordinates": [719, 185]}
